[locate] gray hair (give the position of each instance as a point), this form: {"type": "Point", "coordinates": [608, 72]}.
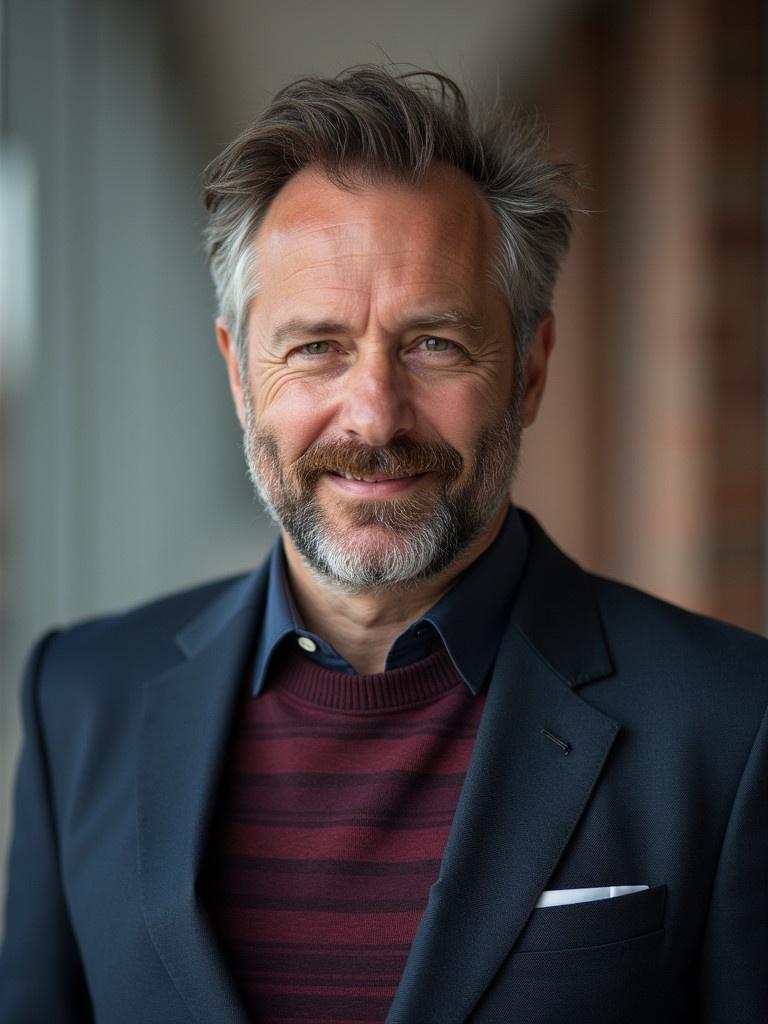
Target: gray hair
{"type": "Point", "coordinates": [369, 125]}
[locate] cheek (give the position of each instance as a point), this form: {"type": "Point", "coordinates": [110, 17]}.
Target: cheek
{"type": "Point", "coordinates": [457, 415]}
{"type": "Point", "coordinates": [295, 415]}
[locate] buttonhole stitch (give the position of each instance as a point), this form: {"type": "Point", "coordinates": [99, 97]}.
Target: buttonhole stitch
{"type": "Point", "coordinates": [564, 747]}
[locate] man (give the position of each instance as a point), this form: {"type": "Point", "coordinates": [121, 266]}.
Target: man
{"type": "Point", "coordinates": [419, 767]}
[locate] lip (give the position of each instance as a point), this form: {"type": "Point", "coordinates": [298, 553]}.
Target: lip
{"type": "Point", "coordinates": [384, 488]}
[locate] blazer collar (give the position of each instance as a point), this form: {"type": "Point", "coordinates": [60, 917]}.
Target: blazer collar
{"type": "Point", "coordinates": [246, 592]}
{"type": "Point", "coordinates": [556, 610]}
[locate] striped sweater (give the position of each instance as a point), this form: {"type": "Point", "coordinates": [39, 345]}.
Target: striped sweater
{"type": "Point", "coordinates": [335, 803]}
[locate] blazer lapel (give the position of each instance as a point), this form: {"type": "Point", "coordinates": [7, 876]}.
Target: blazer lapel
{"type": "Point", "coordinates": [522, 797]}
{"type": "Point", "coordinates": [187, 716]}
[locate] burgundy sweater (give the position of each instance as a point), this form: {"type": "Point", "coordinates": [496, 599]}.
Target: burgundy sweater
{"type": "Point", "coordinates": [335, 803]}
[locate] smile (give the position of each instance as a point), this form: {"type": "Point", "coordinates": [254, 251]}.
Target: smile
{"type": "Point", "coordinates": [374, 486]}
{"type": "Point", "coordinates": [377, 478]}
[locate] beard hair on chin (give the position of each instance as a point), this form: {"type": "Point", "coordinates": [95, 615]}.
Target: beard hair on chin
{"type": "Point", "coordinates": [403, 558]}
{"type": "Point", "coordinates": [423, 533]}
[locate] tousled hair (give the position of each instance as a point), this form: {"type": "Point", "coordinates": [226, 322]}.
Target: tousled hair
{"type": "Point", "coordinates": [369, 125]}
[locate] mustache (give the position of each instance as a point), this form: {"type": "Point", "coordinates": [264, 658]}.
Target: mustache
{"type": "Point", "coordinates": [403, 457]}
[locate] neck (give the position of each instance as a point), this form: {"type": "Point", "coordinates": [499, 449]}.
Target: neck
{"type": "Point", "coordinates": [362, 625]}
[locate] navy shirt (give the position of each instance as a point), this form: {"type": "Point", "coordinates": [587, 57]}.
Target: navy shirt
{"type": "Point", "coordinates": [468, 620]}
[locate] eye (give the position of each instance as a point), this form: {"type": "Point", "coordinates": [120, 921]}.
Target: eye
{"type": "Point", "coordinates": [315, 348]}
{"type": "Point", "coordinates": [312, 352]}
{"type": "Point", "coordinates": [439, 353]}
{"type": "Point", "coordinates": [432, 344]}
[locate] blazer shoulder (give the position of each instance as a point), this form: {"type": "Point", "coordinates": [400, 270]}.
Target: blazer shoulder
{"type": "Point", "coordinates": [136, 642]}
{"type": "Point", "coordinates": [647, 632]}
{"type": "Point", "coordinates": [166, 612]}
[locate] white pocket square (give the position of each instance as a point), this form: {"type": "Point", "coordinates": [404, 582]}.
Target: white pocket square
{"type": "Point", "coordinates": [559, 897]}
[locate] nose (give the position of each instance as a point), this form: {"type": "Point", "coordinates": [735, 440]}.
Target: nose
{"type": "Point", "coordinates": [376, 402]}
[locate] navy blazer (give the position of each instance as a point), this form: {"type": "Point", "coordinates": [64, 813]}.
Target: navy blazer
{"type": "Point", "coordinates": [126, 722]}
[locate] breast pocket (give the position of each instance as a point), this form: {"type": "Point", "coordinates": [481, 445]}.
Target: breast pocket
{"type": "Point", "coordinates": [600, 962]}
{"type": "Point", "coordinates": [595, 923]}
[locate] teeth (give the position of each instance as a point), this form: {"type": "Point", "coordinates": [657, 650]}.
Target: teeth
{"type": "Point", "coordinates": [362, 479]}
{"type": "Point", "coordinates": [370, 479]}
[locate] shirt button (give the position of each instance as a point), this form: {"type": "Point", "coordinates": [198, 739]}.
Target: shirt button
{"type": "Point", "coordinates": [306, 644]}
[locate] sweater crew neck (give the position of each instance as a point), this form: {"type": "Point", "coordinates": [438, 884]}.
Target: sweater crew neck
{"type": "Point", "coordinates": [405, 687]}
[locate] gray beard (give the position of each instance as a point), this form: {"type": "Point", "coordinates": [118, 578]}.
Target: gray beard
{"type": "Point", "coordinates": [424, 533]}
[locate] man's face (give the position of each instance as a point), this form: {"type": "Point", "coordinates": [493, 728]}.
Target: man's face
{"type": "Point", "coordinates": [378, 349]}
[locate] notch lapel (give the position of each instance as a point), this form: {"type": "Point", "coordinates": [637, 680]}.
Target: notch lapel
{"type": "Point", "coordinates": [187, 716]}
{"type": "Point", "coordinates": [522, 797]}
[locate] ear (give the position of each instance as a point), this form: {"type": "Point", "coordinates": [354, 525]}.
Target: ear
{"type": "Point", "coordinates": [535, 373]}
{"type": "Point", "coordinates": [228, 349]}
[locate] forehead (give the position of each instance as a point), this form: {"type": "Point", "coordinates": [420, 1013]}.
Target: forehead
{"type": "Point", "coordinates": [322, 242]}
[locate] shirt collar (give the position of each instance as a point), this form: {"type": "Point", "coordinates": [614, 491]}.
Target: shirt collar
{"type": "Point", "coordinates": [469, 619]}
{"type": "Point", "coordinates": [281, 618]}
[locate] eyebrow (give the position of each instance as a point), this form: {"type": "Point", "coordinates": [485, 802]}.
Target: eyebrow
{"type": "Point", "coordinates": [301, 327]}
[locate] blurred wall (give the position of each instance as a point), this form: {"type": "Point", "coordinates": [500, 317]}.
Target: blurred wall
{"type": "Point", "coordinates": [649, 460]}
{"type": "Point", "coordinates": [121, 464]}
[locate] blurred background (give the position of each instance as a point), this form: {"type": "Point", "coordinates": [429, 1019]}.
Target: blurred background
{"type": "Point", "coordinates": [121, 474]}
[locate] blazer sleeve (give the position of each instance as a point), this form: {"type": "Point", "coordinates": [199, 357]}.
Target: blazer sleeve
{"type": "Point", "coordinates": [733, 977]}
{"type": "Point", "coordinates": [41, 975]}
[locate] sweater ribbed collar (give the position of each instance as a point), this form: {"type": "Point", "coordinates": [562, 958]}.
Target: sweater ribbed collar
{"type": "Point", "coordinates": [418, 683]}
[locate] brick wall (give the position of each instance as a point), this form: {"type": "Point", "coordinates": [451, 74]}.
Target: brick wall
{"type": "Point", "coordinates": [649, 458]}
